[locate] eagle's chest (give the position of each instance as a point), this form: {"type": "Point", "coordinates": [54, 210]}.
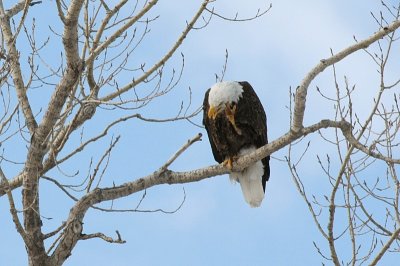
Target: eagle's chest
{"type": "Point", "coordinates": [226, 137]}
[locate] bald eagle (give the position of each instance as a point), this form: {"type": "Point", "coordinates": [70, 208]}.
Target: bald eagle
{"type": "Point", "coordinates": [236, 124]}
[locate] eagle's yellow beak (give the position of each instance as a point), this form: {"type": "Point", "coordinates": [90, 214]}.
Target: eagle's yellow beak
{"type": "Point", "coordinates": [212, 112]}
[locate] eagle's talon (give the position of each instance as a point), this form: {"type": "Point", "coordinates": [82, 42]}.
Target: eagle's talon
{"type": "Point", "coordinates": [228, 163]}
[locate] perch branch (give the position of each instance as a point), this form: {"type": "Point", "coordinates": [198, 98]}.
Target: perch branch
{"type": "Point", "coordinates": [77, 213]}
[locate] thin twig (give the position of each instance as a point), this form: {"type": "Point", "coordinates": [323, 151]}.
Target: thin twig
{"type": "Point", "coordinates": [180, 151]}
{"type": "Point", "coordinates": [104, 237]}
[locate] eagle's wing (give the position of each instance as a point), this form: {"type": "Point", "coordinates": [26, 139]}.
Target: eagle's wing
{"type": "Point", "coordinates": [210, 128]}
{"type": "Point", "coordinates": [251, 117]}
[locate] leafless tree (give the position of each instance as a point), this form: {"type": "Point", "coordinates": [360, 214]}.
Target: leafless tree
{"type": "Point", "coordinates": [357, 212]}
{"type": "Point", "coordinates": [98, 40]}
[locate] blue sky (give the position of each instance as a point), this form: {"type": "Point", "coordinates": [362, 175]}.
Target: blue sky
{"type": "Point", "coordinates": [214, 226]}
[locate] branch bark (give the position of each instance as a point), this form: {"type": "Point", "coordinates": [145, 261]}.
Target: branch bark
{"type": "Point", "coordinates": [38, 147]}
{"type": "Point", "coordinates": [15, 68]}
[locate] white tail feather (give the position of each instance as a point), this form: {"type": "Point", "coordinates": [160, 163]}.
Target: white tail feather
{"type": "Point", "coordinates": [250, 180]}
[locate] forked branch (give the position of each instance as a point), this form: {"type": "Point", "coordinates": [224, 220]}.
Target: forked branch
{"type": "Point", "coordinates": [301, 92]}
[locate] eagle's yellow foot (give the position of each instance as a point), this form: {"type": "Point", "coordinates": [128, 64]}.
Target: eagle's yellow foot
{"type": "Point", "coordinates": [228, 163]}
{"type": "Point", "coordinates": [230, 114]}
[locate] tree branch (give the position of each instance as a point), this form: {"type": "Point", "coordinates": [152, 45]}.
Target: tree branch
{"type": "Point", "coordinates": [77, 213]}
{"type": "Point", "coordinates": [13, 210]}
{"type": "Point", "coordinates": [18, 7]}
{"type": "Point", "coordinates": [163, 60]}
{"type": "Point", "coordinates": [15, 68]}
{"type": "Point", "coordinates": [40, 137]}
{"type": "Point", "coordinates": [180, 151]}
{"type": "Point", "coordinates": [387, 245]}
{"type": "Point", "coordinates": [301, 92]}
{"type": "Point", "coordinates": [104, 237]}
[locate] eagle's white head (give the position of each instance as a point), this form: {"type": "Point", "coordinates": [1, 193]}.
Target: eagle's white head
{"type": "Point", "coordinates": [222, 93]}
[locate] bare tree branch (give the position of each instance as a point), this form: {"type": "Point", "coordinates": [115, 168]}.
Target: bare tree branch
{"type": "Point", "coordinates": [15, 67]}
{"type": "Point", "coordinates": [13, 210]}
{"type": "Point", "coordinates": [385, 247]}
{"type": "Point", "coordinates": [236, 17]}
{"type": "Point", "coordinates": [301, 92]}
{"type": "Point", "coordinates": [71, 235]}
{"type": "Point", "coordinates": [104, 237]}
{"type": "Point", "coordinates": [180, 151]}
{"type": "Point", "coordinates": [163, 60]}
